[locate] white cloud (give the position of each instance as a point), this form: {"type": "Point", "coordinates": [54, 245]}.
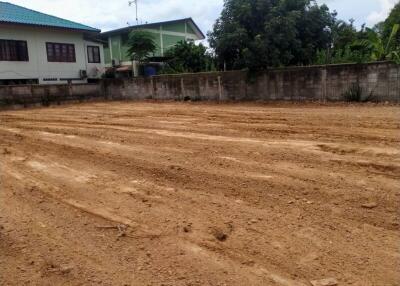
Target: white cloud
{"type": "Point", "coordinates": [378, 16]}
{"type": "Point", "coordinates": [112, 14]}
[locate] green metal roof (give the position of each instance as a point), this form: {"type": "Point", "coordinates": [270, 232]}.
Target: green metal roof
{"type": "Point", "coordinates": [11, 13]}
{"type": "Point", "coordinates": [198, 31]}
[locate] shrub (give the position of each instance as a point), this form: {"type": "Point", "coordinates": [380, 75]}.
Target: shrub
{"type": "Point", "coordinates": [357, 94]}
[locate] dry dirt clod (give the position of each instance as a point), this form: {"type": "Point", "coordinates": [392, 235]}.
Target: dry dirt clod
{"type": "Point", "coordinates": [66, 269]}
{"type": "Point", "coordinates": [122, 229]}
{"type": "Point", "coordinates": [6, 151]}
{"type": "Point", "coordinates": [187, 228]}
{"type": "Point", "coordinates": [371, 205]}
{"type": "Point", "coordinates": [220, 235]}
{"type": "Point", "coordinates": [325, 282]}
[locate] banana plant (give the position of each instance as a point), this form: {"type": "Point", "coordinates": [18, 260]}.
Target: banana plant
{"type": "Point", "coordinates": [378, 50]}
{"type": "Point", "coordinates": [393, 54]}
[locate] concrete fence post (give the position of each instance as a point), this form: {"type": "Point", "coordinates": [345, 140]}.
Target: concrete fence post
{"type": "Point", "coordinates": [69, 89]}
{"type": "Point", "coordinates": [106, 90]}
{"type": "Point", "coordinates": [398, 84]}
{"type": "Point", "coordinates": [324, 84]}
{"type": "Point", "coordinates": [153, 90]}
{"type": "Point", "coordinates": [219, 89]}
{"type": "Point", "coordinates": [199, 87]}
{"type": "Point", "coordinates": [182, 89]}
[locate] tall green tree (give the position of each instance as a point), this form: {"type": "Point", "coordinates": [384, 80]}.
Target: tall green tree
{"type": "Point", "coordinates": [187, 57]}
{"type": "Point", "coordinates": [342, 48]}
{"type": "Point", "coordinates": [257, 34]}
{"type": "Point", "coordinates": [343, 33]}
{"type": "Point", "coordinates": [140, 45]}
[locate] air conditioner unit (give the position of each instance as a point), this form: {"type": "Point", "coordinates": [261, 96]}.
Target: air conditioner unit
{"type": "Point", "coordinates": [83, 74]}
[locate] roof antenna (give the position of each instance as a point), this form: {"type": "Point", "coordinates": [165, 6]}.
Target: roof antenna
{"type": "Point", "coordinates": [136, 5]}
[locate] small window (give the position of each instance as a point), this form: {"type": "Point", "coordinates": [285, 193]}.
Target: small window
{"type": "Point", "coordinates": [14, 51]}
{"type": "Point", "coordinates": [93, 54]}
{"type": "Point", "coordinates": [60, 53]}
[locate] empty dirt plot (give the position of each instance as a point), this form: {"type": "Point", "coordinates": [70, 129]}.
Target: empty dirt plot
{"type": "Point", "coordinates": [200, 194]}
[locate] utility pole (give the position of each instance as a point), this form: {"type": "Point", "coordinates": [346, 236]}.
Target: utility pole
{"type": "Point", "coordinates": [136, 5]}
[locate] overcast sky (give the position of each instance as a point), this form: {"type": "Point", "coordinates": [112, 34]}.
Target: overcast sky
{"type": "Point", "coordinates": [112, 14]}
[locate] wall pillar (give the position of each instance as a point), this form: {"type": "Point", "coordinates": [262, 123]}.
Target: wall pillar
{"type": "Point", "coordinates": [182, 89]}
{"type": "Point", "coordinates": [324, 84]}
{"type": "Point", "coordinates": [219, 88]}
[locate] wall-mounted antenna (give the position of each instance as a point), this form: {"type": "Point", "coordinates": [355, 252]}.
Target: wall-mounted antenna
{"type": "Point", "coordinates": [136, 5]}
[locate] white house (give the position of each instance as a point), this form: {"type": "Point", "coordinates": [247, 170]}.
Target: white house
{"type": "Point", "coordinates": [43, 49]}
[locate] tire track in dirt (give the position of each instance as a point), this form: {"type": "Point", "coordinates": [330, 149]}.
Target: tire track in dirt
{"type": "Point", "coordinates": [291, 213]}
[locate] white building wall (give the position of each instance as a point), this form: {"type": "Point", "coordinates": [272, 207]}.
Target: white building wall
{"type": "Point", "coordinates": [94, 70]}
{"type": "Point", "coordinates": [38, 67]}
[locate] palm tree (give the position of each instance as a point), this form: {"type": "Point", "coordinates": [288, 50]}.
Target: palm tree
{"type": "Point", "coordinates": [140, 45]}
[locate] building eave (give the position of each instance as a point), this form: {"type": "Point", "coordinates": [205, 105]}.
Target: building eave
{"type": "Point", "coordinates": [94, 31]}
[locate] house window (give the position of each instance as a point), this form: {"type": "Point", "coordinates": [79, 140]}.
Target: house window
{"type": "Point", "coordinates": [60, 53]}
{"type": "Point", "coordinates": [93, 54]}
{"type": "Point", "coordinates": [16, 51]}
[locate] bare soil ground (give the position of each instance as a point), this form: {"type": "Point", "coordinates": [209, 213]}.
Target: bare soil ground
{"type": "Point", "coordinates": [200, 194]}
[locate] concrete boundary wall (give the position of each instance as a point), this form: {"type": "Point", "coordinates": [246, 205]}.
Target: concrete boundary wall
{"type": "Point", "coordinates": [378, 82]}
{"type": "Point", "coordinates": [18, 96]}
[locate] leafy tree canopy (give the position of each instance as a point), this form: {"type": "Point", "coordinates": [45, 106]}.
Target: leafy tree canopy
{"type": "Point", "coordinates": [187, 57]}
{"type": "Point", "coordinates": [140, 45]}
{"type": "Point", "coordinates": [257, 34]}
{"type": "Point", "coordinates": [377, 44]}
